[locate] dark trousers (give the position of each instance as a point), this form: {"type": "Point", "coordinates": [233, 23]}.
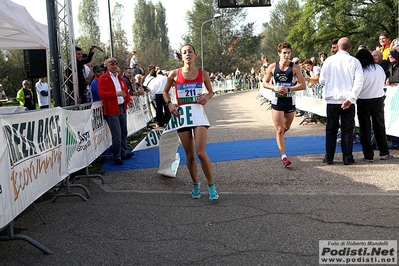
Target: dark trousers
{"type": "Point", "coordinates": [118, 126]}
{"type": "Point", "coordinates": [162, 112]}
{"type": "Point", "coordinates": [347, 116]}
{"type": "Point", "coordinates": [371, 112]}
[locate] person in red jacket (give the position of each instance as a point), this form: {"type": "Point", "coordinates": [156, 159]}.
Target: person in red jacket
{"type": "Point", "coordinates": [114, 93]}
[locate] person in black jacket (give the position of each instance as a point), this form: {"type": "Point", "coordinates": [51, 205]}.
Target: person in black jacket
{"type": "Point", "coordinates": [393, 68]}
{"type": "Point", "coordinates": [80, 62]}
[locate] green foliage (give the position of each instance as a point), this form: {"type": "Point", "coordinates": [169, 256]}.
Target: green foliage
{"type": "Point", "coordinates": [150, 34]}
{"type": "Point", "coordinates": [283, 18]}
{"type": "Point", "coordinates": [120, 42]}
{"type": "Point", "coordinates": [362, 21]}
{"type": "Point", "coordinates": [227, 43]}
{"type": "Point", "coordinates": [89, 31]}
{"type": "Point", "coordinates": [12, 71]}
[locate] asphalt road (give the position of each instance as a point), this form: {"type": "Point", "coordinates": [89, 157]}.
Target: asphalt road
{"type": "Point", "coordinates": [266, 214]}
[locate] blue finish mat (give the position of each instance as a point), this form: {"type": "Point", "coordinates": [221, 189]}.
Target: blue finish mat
{"type": "Point", "coordinates": [228, 151]}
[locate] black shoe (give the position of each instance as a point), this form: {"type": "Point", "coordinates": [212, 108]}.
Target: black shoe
{"type": "Point", "coordinates": [327, 162]}
{"type": "Point", "coordinates": [118, 162]}
{"type": "Point", "coordinates": [128, 156]}
{"type": "Point", "coordinates": [349, 162]}
{"type": "Point", "coordinates": [367, 160]}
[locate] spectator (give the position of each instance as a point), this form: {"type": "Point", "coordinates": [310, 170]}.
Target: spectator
{"type": "Point", "coordinates": [314, 61]}
{"type": "Point", "coordinates": [116, 98]}
{"type": "Point", "coordinates": [43, 91]}
{"type": "Point", "coordinates": [151, 75]}
{"type": "Point", "coordinates": [342, 77]}
{"type": "Point", "coordinates": [384, 45]}
{"type": "Point", "coordinates": [361, 47]}
{"type": "Point", "coordinates": [313, 73]}
{"type": "Point", "coordinates": [89, 76]}
{"type": "Point", "coordinates": [25, 96]}
{"type": "Point", "coordinates": [139, 87]}
{"type": "Point", "coordinates": [127, 77]}
{"type": "Point", "coordinates": [252, 79]}
{"type": "Point", "coordinates": [98, 71]}
{"type": "Point", "coordinates": [370, 107]}
{"type": "Point", "coordinates": [137, 69]}
{"type": "Point", "coordinates": [2, 92]}
{"type": "Point", "coordinates": [133, 60]}
{"type": "Point", "coordinates": [377, 55]}
{"type": "Point", "coordinates": [3, 96]}
{"type": "Point", "coordinates": [80, 62]}
{"type": "Point", "coordinates": [104, 64]}
{"type": "Point", "coordinates": [323, 57]}
{"type": "Point", "coordinates": [393, 69]}
{"type": "Point", "coordinates": [212, 77]}
{"type": "Point", "coordinates": [334, 47]}
{"type": "Point", "coordinates": [237, 74]}
{"type": "Point", "coordinates": [265, 61]}
{"type": "Point", "coordinates": [287, 79]}
{"type": "Point", "coordinates": [162, 111]}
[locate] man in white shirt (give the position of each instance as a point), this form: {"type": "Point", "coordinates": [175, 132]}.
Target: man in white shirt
{"type": "Point", "coordinates": [42, 91]}
{"type": "Point", "coordinates": [162, 111]}
{"type": "Point", "coordinates": [342, 77]}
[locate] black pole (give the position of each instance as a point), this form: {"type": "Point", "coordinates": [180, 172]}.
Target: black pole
{"type": "Point", "coordinates": [110, 30]}
{"type": "Point", "coordinates": [52, 18]}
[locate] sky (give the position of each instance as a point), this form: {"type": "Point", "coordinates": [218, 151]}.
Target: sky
{"type": "Point", "coordinates": [175, 16]}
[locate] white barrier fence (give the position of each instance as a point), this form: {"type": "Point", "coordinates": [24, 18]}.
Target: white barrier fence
{"type": "Point", "coordinates": [312, 100]}
{"type": "Point", "coordinates": [43, 147]}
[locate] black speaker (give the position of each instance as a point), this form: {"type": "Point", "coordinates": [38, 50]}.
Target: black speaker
{"type": "Point", "coordinates": [35, 63]}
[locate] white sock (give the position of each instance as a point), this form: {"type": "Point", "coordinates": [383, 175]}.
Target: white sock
{"type": "Point", "coordinates": [283, 156]}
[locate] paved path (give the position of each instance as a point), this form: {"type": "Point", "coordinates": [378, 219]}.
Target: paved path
{"type": "Point", "coordinates": [266, 214]}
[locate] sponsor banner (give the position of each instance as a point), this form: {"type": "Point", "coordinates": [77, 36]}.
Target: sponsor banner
{"type": "Point", "coordinates": [191, 115]}
{"type": "Point", "coordinates": [268, 94]}
{"type": "Point", "coordinates": [312, 100]}
{"type": "Point", "coordinates": [392, 111]}
{"type": "Point", "coordinates": [12, 109]}
{"type": "Point", "coordinates": [363, 252]}
{"type": "Point", "coordinates": [150, 141]}
{"type": "Point", "coordinates": [136, 117]}
{"type": "Point", "coordinates": [101, 134]}
{"type": "Point", "coordinates": [139, 115]}
{"type": "Point", "coordinates": [79, 139]}
{"type": "Point", "coordinates": [32, 159]}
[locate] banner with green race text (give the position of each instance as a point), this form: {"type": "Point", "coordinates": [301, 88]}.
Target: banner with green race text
{"type": "Point", "coordinates": [32, 158]}
{"type": "Point", "coordinates": [191, 115]}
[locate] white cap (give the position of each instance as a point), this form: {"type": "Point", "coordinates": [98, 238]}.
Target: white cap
{"type": "Point", "coordinates": [295, 59]}
{"type": "Point", "coordinates": [1, 85]}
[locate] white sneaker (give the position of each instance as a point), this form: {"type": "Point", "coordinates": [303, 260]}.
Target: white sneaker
{"type": "Point", "coordinates": [386, 157]}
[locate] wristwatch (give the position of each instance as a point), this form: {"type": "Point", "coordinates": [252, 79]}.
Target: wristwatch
{"type": "Point", "coordinates": [167, 103]}
{"type": "Point", "coordinates": [288, 89]}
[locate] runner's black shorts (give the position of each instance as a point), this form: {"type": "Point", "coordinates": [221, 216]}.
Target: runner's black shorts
{"type": "Point", "coordinates": [183, 129]}
{"type": "Point", "coordinates": [284, 104]}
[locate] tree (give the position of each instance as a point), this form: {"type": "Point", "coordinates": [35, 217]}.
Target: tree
{"type": "Point", "coordinates": [121, 44]}
{"type": "Point", "coordinates": [362, 21]}
{"type": "Point", "coordinates": [282, 18]}
{"type": "Point", "coordinates": [150, 34]}
{"type": "Point", "coordinates": [12, 71]}
{"type": "Point", "coordinates": [89, 30]}
{"type": "Point", "coordinates": [227, 43]}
